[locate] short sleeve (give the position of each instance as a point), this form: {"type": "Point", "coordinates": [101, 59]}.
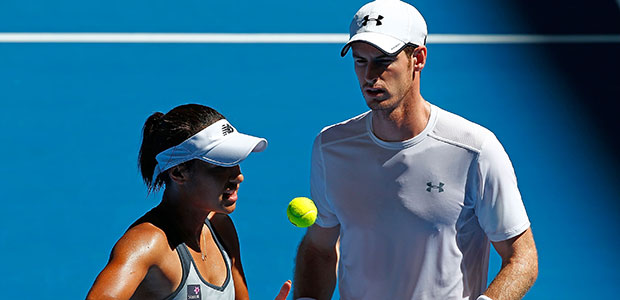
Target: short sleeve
{"type": "Point", "coordinates": [326, 217]}
{"type": "Point", "coordinates": [500, 209]}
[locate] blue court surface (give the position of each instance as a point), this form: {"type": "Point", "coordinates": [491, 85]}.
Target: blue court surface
{"type": "Point", "coordinates": [71, 117]}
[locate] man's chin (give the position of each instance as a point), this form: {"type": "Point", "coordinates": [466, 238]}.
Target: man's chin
{"type": "Point", "coordinates": [377, 104]}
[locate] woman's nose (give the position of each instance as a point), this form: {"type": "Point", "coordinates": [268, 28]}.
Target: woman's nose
{"type": "Point", "coordinates": [236, 175]}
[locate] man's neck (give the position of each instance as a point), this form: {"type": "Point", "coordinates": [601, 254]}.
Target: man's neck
{"type": "Point", "coordinates": [403, 122]}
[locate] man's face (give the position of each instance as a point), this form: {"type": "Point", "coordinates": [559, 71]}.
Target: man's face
{"type": "Point", "coordinates": [385, 80]}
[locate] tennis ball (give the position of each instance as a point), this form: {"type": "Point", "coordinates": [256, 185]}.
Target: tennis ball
{"type": "Point", "coordinates": [301, 212]}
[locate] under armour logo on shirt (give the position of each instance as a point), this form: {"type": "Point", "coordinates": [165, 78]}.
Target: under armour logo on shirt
{"type": "Point", "coordinates": [226, 129]}
{"type": "Point", "coordinates": [367, 19]}
{"type": "Point", "coordinates": [431, 186]}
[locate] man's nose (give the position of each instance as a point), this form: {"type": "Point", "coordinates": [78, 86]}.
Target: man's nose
{"type": "Point", "coordinates": [372, 72]}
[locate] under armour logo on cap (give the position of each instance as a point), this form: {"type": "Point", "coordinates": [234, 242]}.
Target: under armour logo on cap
{"type": "Point", "coordinates": [367, 18]}
{"type": "Point", "coordinates": [226, 129]}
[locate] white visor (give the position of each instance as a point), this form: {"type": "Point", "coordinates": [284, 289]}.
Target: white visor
{"type": "Point", "coordinates": [219, 144]}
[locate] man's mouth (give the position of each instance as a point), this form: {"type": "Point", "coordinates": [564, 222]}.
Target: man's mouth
{"type": "Point", "coordinates": [374, 92]}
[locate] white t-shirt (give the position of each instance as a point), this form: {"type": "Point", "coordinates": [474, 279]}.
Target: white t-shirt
{"type": "Point", "coordinates": [416, 216]}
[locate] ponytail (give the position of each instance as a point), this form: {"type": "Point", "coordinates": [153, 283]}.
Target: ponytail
{"type": "Point", "coordinates": [149, 149]}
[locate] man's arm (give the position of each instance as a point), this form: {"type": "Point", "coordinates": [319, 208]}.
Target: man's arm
{"type": "Point", "coordinates": [315, 269]}
{"type": "Point", "coordinates": [519, 267]}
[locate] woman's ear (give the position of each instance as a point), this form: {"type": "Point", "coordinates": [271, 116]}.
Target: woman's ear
{"type": "Point", "coordinates": [178, 174]}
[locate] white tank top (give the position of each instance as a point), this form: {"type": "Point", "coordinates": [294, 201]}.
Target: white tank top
{"type": "Point", "coordinates": [193, 286]}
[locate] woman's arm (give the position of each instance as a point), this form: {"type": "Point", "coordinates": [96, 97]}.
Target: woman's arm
{"type": "Point", "coordinates": [132, 256]}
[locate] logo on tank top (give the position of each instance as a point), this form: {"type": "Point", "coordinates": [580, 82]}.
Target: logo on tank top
{"type": "Point", "coordinates": [193, 292]}
{"type": "Point", "coordinates": [430, 186]}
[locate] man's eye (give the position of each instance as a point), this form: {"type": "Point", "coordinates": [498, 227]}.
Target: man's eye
{"type": "Point", "coordinates": [360, 61]}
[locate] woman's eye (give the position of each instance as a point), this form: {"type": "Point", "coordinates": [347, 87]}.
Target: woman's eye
{"type": "Point", "coordinates": [216, 169]}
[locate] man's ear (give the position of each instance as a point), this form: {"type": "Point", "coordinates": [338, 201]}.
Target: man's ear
{"type": "Point", "coordinates": [419, 58]}
{"type": "Point", "coordinates": [178, 174]}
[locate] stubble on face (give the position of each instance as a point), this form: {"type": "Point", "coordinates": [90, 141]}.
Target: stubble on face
{"type": "Point", "coordinates": [386, 81]}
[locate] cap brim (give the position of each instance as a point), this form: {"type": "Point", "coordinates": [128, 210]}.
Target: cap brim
{"type": "Point", "coordinates": [234, 149]}
{"type": "Point", "coordinates": [387, 44]}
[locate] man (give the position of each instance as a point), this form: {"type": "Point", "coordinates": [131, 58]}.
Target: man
{"type": "Point", "coordinates": [412, 196]}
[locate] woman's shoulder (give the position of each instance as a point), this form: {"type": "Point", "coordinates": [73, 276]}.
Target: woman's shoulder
{"type": "Point", "coordinates": [143, 241]}
{"type": "Point", "coordinates": [146, 233]}
{"type": "Point", "coordinates": [146, 240]}
{"type": "Point", "coordinates": [141, 247]}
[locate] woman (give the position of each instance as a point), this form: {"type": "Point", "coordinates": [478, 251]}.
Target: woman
{"type": "Point", "coordinates": [187, 246]}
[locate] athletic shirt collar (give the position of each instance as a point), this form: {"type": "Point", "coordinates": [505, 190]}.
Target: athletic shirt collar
{"type": "Point", "coordinates": [406, 143]}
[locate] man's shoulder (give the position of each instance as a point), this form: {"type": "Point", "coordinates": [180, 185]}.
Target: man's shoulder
{"type": "Point", "coordinates": [353, 127]}
{"type": "Point", "coordinates": [459, 131]}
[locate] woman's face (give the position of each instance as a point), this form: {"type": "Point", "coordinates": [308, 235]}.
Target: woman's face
{"type": "Point", "coordinates": [213, 188]}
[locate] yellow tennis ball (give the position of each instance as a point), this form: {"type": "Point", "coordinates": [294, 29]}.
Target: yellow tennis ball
{"type": "Point", "coordinates": [301, 212]}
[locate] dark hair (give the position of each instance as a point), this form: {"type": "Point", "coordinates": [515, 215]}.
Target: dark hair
{"type": "Point", "coordinates": [409, 49]}
{"type": "Point", "coordinates": [163, 131]}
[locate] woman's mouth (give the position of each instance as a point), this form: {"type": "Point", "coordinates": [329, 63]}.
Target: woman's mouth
{"type": "Point", "coordinates": [230, 195]}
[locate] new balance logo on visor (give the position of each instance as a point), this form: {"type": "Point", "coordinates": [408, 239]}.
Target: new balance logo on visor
{"type": "Point", "coordinates": [431, 186]}
{"type": "Point", "coordinates": [226, 129]}
{"type": "Point", "coordinates": [367, 19]}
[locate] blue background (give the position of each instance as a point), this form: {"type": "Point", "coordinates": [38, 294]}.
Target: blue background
{"type": "Point", "coordinates": [71, 118]}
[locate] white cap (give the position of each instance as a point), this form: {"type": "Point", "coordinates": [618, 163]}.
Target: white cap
{"type": "Point", "coordinates": [389, 25]}
{"type": "Point", "coordinates": [219, 144]}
